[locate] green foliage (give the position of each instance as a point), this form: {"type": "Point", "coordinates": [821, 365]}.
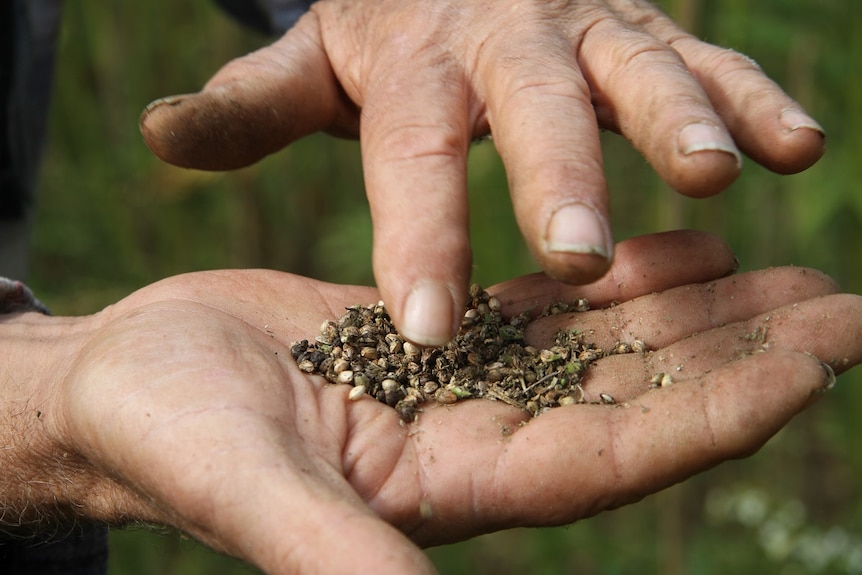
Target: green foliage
{"type": "Point", "coordinates": [112, 218]}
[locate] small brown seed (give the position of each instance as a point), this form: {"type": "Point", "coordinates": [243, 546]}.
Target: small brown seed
{"type": "Point", "coordinates": [622, 347]}
{"type": "Point", "coordinates": [406, 408]}
{"type": "Point", "coordinates": [411, 352]}
{"type": "Point", "coordinates": [340, 365]}
{"type": "Point", "coordinates": [393, 397]}
{"type": "Point", "coordinates": [297, 348]}
{"type": "Point", "coordinates": [307, 366]}
{"type": "Point", "coordinates": [368, 331]}
{"type": "Point", "coordinates": [329, 330]}
{"type": "Point", "coordinates": [471, 316]}
{"type": "Point", "coordinates": [495, 375]}
{"type": "Point", "coordinates": [395, 342]}
{"type": "Point", "coordinates": [349, 334]}
{"type": "Point", "coordinates": [430, 386]}
{"type": "Point", "coordinates": [588, 355]}
{"type": "Point", "coordinates": [445, 396]}
{"type": "Point", "coordinates": [369, 353]}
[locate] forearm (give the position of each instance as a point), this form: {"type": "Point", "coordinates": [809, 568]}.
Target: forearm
{"type": "Point", "coordinates": [44, 483]}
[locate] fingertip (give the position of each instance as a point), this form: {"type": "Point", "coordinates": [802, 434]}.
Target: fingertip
{"type": "Point", "coordinates": [578, 246]}
{"type": "Point", "coordinates": [787, 382]}
{"type": "Point", "coordinates": [576, 269]}
{"type": "Point", "coordinates": [795, 119]}
{"type": "Point", "coordinates": [704, 137]}
{"type": "Point", "coordinates": [212, 130]}
{"type": "Point", "coordinates": [767, 125]}
{"type": "Point", "coordinates": [252, 107]}
{"type": "Point", "coordinates": [422, 277]}
{"type": "Point", "coordinates": [578, 228]}
{"type": "Point", "coordinates": [155, 125]}
{"type": "Point", "coordinates": [429, 317]}
{"type": "Point", "coordinates": [707, 256]}
{"type": "Point", "coordinates": [802, 142]}
{"type": "Point", "coordinates": [707, 160]}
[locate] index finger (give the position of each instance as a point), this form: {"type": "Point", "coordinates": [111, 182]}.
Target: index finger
{"type": "Point", "coordinates": [415, 133]}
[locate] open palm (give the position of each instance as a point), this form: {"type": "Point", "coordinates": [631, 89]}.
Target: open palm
{"type": "Point", "coordinates": [186, 409]}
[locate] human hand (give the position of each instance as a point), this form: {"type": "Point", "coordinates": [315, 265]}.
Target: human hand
{"type": "Point", "coordinates": [180, 405]}
{"type": "Point", "coordinates": [418, 80]}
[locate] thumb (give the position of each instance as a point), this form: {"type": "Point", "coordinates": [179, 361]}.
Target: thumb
{"type": "Point", "coordinates": [257, 495]}
{"type": "Point", "coordinates": [252, 107]}
{"type": "Point", "coordinates": [322, 535]}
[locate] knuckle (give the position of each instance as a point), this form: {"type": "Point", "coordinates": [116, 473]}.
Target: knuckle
{"type": "Point", "coordinates": [412, 141]}
{"type": "Point", "coordinates": [724, 61]}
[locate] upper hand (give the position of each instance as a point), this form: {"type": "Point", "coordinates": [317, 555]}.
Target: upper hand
{"type": "Point", "coordinates": [417, 80]}
{"type": "Point", "coordinates": [181, 405]}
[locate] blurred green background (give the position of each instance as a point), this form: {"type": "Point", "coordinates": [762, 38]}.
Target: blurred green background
{"type": "Point", "coordinates": [112, 218]}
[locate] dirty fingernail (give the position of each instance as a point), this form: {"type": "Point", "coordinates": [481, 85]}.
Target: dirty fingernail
{"type": "Point", "coordinates": [578, 229]}
{"type": "Point", "coordinates": [429, 314]}
{"type": "Point", "coordinates": [700, 137]}
{"type": "Point", "coordinates": [166, 101]}
{"type": "Point", "coordinates": [794, 119]}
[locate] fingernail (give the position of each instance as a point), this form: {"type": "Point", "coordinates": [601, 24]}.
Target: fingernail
{"type": "Point", "coordinates": [829, 376]}
{"type": "Point", "coordinates": [166, 101]}
{"type": "Point", "coordinates": [578, 229]}
{"type": "Point", "coordinates": [429, 314]}
{"type": "Point", "coordinates": [794, 119]}
{"type": "Point", "coordinates": [700, 137]}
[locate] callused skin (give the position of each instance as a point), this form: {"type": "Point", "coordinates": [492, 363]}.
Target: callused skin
{"type": "Point", "coordinates": [180, 405]}
{"type": "Point", "coordinates": [416, 81]}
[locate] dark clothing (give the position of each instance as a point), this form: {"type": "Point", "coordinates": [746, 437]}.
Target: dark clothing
{"type": "Point", "coordinates": [28, 34]}
{"type": "Point", "coordinates": [268, 16]}
{"type": "Point", "coordinates": [84, 552]}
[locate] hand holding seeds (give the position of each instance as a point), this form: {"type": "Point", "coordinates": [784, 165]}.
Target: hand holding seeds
{"type": "Point", "coordinates": [182, 405]}
{"type": "Point", "coordinates": [542, 77]}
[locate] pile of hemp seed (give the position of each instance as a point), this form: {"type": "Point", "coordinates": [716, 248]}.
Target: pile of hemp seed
{"type": "Point", "coordinates": [489, 358]}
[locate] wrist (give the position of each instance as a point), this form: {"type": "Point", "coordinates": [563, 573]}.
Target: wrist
{"type": "Point", "coordinates": [44, 483]}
